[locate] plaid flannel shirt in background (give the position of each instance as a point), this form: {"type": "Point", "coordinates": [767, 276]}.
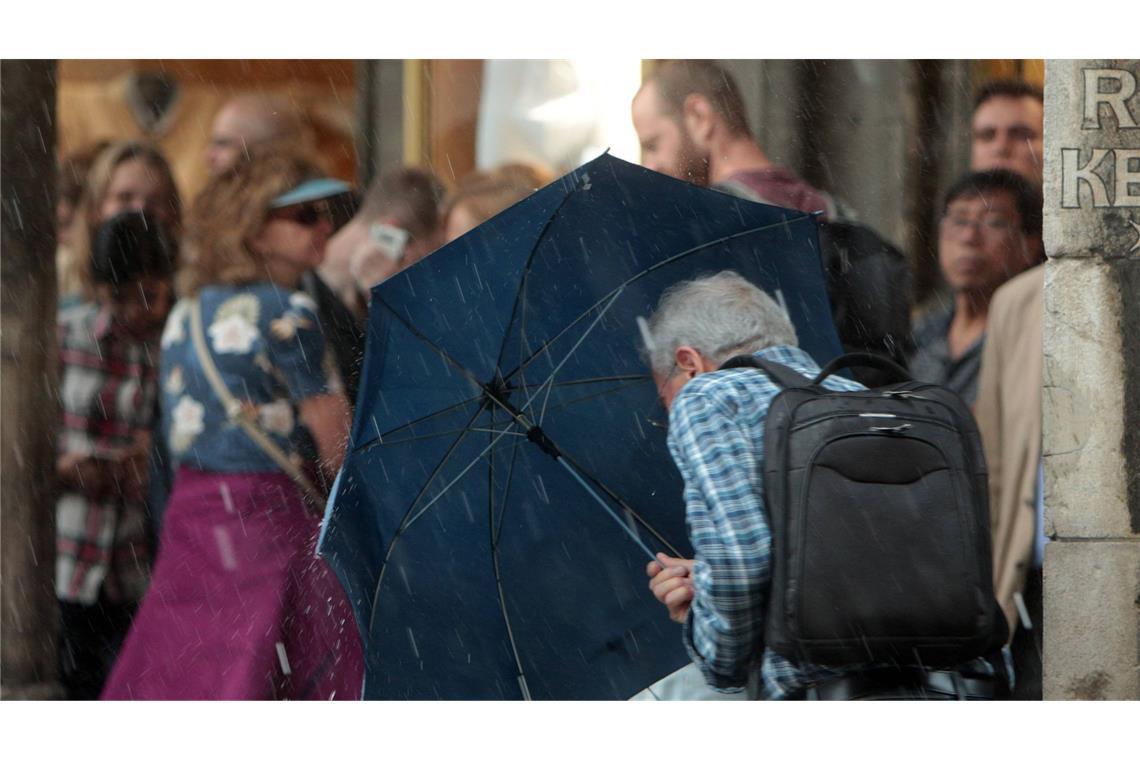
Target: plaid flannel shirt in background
{"type": "Point", "coordinates": [716, 437]}
{"type": "Point", "coordinates": [108, 390]}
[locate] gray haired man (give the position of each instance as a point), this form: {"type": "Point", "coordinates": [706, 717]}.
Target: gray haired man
{"type": "Point", "coordinates": [716, 438]}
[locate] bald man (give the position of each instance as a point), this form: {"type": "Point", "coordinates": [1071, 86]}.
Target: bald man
{"type": "Point", "coordinates": [249, 120]}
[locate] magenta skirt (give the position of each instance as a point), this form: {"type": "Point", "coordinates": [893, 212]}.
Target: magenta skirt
{"type": "Point", "coordinates": [238, 606]}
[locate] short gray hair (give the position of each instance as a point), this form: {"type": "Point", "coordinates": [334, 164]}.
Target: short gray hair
{"type": "Point", "coordinates": [721, 315]}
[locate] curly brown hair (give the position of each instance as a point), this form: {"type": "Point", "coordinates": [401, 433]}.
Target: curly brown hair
{"type": "Point", "coordinates": [229, 212]}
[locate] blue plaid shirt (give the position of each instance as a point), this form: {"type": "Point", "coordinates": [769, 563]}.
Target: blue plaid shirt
{"type": "Point", "coordinates": [716, 437]}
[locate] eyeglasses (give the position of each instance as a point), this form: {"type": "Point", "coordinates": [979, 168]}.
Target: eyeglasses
{"type": "Point", "coordinates": [306, 214]}
{"type": "Point", "coordinates": [996, 225]}
{"type": "Point", "coordinates": [659, 418]}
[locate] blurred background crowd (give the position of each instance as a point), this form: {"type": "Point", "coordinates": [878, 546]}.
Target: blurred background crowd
{"type": "Point", "coordinates": [325, 178]}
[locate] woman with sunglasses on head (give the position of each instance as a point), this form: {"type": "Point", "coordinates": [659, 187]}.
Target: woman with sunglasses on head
{"type": "Point", "coordinates": [239, 607]}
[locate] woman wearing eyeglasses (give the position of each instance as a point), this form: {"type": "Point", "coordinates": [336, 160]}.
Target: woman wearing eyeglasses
{"type": "Point", "coordinates": [239, 607]}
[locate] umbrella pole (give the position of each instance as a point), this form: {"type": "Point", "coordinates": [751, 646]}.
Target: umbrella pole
{"type": "Point", "coordinates": [609, 511]}
{"type": "Point", "coordinates": [535, 434]}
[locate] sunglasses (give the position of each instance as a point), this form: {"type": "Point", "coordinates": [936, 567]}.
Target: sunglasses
{"type": "Point", "coordinates": [306, 215]}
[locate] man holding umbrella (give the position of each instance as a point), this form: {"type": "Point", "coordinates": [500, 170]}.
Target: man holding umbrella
{"type": "Point", "coordinates": [717, 439]}
{"type": "Point", "coordinates": [716, 429]}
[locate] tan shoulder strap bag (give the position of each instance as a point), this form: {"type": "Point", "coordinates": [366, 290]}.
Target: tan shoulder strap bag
{"type": "Point", "coordinates": [242, 416]}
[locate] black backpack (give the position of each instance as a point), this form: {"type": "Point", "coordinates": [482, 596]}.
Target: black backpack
{"type": "Point", "coordinates": [877, 502]}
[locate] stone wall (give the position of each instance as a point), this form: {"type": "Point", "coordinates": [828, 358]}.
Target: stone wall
{"type": "Point", "coordinates": [1092, 380]}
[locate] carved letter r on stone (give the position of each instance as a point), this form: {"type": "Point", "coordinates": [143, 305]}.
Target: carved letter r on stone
{"type": "Point", "coordinates": [1115, 100]}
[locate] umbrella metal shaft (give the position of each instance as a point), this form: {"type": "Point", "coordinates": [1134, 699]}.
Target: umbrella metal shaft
{"type": "Point", "coordinates": [609, 511]}
{"type": "Point", "coordinates": [538, 437]}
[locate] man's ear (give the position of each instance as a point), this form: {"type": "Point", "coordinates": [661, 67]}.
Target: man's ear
{"type": "Point", "coordinates": [699, 118]}
{"type": "Point", "coordinates": [691, 361]}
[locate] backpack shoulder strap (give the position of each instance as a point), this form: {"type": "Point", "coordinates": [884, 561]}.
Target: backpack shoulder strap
{"type": "Point", "coordinates": [785, 377]}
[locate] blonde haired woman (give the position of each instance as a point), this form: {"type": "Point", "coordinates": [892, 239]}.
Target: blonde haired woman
{"type": "Point", "coordinates": [125, 176]}
{"type": "Point", "coordinates": [239, 607]}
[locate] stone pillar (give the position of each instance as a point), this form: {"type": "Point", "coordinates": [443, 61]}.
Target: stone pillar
{"type": "Point", "coordinates": [380, 117]}
{"type": "Point", "coordinates": [27, 392]}
{"type": "Point", "coordinates": [1092, 380]}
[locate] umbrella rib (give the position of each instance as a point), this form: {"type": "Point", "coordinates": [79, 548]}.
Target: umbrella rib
{"type": "Point", "coordinates": [498, 524]}
{"type": "Point", "coordinates": [588, 381]}
{"type": "Point", "coordinates": [385, 440]}
{"type": "Point", "coordinates": [492, 430]}
{"type": "Point", "coordinates": [507, 622]}
{"type": "Point", "coordinates": [566, 358]}
{"type": "Point", "coordinates": [495, 532]}
{"type": "Point", "coordinates": [429, 436]}
{"type": "Point", "coordinates": [425, 418]}
{"type": "Point", "coordinates": [580, 399]}
{"type": "Point", "coordinates": [545, 401]}
{"type": "Point", "coordinates": [520, 297]}
{"type": "Point", "coordinates": [406, 522]}
{"type": "Point", "coordinates": [643, 273]}
{"type": "Point", "coordinates": [430, 344]}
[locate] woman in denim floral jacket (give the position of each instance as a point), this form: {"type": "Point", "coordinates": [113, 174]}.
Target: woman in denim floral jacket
{"type": "Point", "coordinates": [239, 607]}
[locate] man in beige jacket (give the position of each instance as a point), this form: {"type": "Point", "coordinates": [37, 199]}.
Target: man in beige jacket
{"type": "Point", "coordinates": [1008, 410]}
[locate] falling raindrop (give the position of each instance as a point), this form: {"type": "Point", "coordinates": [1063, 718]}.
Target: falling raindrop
{"type": "Point", "coordinates": [283, 659]}
{"type": "Point", "coordinates": [541, 488]}
{"type": "Point", "coordinates": [225, 547]}
{"type": "Point", "coordinates": [412, 639]}
{"type": "Point", "coordinates": [227, 499]}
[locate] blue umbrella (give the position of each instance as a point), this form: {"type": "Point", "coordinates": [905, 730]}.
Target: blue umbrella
{"type": "Point", "coordinates": [504, 485]}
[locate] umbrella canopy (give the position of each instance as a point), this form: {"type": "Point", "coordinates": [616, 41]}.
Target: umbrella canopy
{"type": "Point", "coordinates": [504, 483]}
